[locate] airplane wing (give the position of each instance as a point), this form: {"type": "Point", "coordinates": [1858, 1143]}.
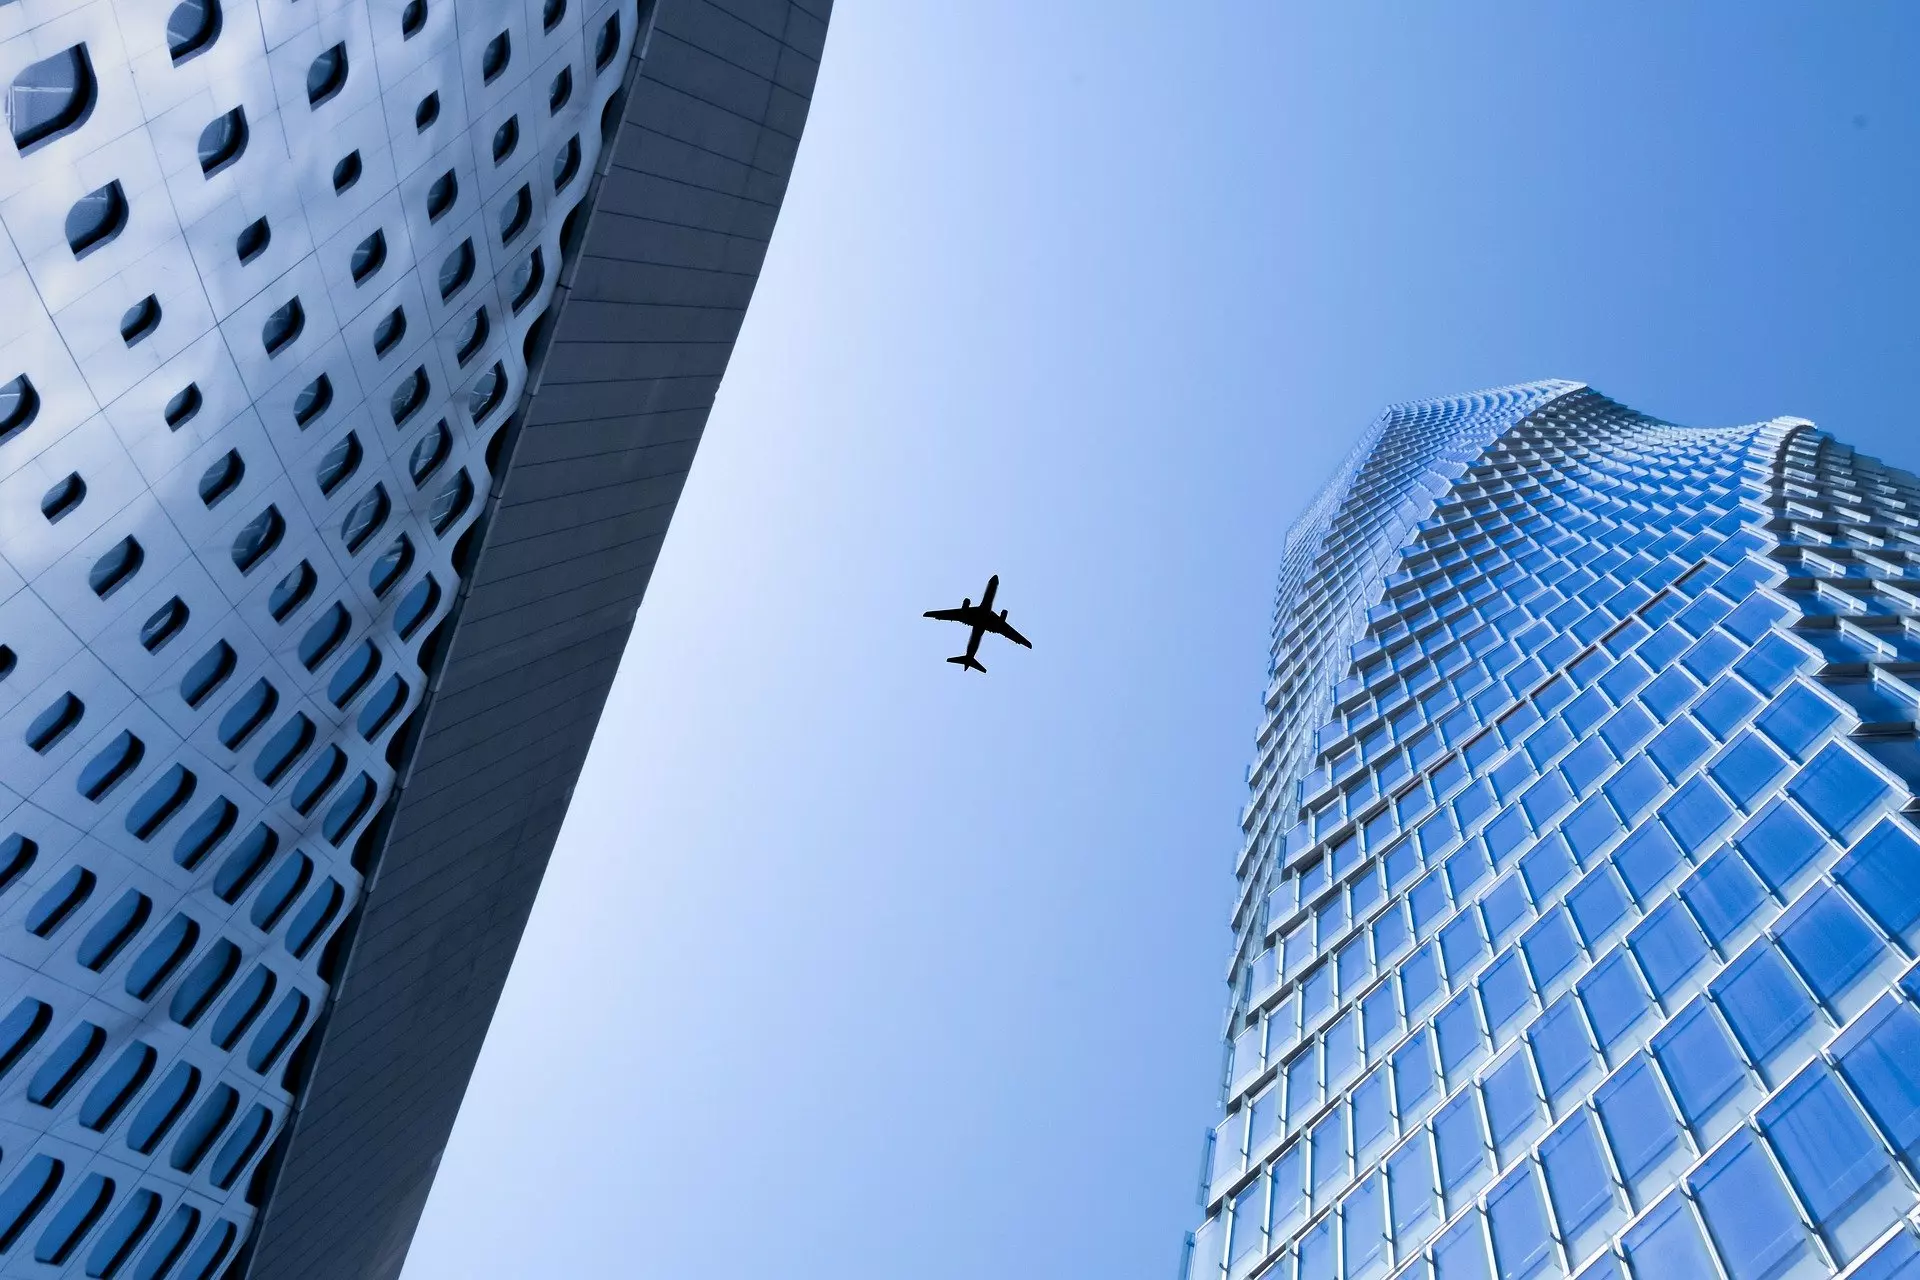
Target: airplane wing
{"type": "Point", "coordinates": [949, 615]}
{"type": "Point", "coordinates": [1000, 626]}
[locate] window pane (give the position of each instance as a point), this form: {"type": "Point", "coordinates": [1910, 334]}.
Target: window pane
{"type": "Point", "coordinates": [1372, 1118]}
{"type": "Point", "coordinates": [1751, 1216]}
{"type": "Point", "coordinates": [1696, 814]}
{"type": "Point", "coordinates": [1410, 1185]}
{"type": "Point", "coordinates": [1461, 1254]}
{"type": "Point", "coordinates": [1780, 844]}
{"type": "Point", "coordinates": [1700, 1062]}
{"type": "Point", "coordinates": [1764, 1003]}
{"type": "Point", "coordinates": [1288, 1175]}
{"type": "Point", "coordinates": [1647, 1142]}
{"type": "Point", "coordinates": [1666, 1245]}
{"type": "Point", "coordinates": [1842, 1172]}
{"type": "Point", "coordinates": [1669, 947]}
{"type": "Point", "coordinates": [1561, 1048]}
{"type": "Point", "coordinates": [1616, 1002]}
{"type": "Point", "coordinates": [1364, 1231]}
{"type": "Point", "coordinates": [1504, 994]}
{"type": "Point", "coordinates": [1522, 1245]}
{"type": "Point", "coordinates": [1462, 1147]}
{"type": "Point", "coordinates": [1584, 1198]}
{"type": "Point", "coordinates": [1830, 944]}
{"type": "Point", "coordinates": [1724, 894]}
{"type": "Point", "coordinates": [1883, 875]}
{"type": "Point", "coordinates": [1513, 1108]}
{"type": "Point", "coordinates": [1837, 789]}
{"type": "Point", "coordinates": [1413, 1078]}
{"type": "Point", "coordinates": [1550, 948]}
{"type": "Point", "coordinates": [1880, 1057]}
{"type": "Point", "coordinates": [1598, 903]}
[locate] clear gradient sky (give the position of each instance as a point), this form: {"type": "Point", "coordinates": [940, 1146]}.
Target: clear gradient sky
{"type": "Point", "coordinates": [851, 964]}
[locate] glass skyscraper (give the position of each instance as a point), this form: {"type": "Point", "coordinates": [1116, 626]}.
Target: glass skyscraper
{"type": "Point", "coordinates": [352, 356]}
{"type": "Point", "coordinates": [1580, 897]}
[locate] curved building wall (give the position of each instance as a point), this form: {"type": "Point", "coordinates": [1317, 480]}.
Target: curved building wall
{"type": "Point", "coordinates": [1577, 937]}
{"type": "Point", "coordinates": [282, 522]}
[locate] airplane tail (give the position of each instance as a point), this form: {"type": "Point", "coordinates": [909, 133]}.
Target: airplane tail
{"type": "Point", "coordinates": [965, 661]}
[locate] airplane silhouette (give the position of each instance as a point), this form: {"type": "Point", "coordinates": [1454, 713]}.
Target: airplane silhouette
{"type": "Point", "coordinates": [982, 619]}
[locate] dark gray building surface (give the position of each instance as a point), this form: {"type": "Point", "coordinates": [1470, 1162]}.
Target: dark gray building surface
{"type": "Point", "coordinates": [690, 191]}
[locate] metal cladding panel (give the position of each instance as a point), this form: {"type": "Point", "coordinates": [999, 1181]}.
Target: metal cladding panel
{"type": "Point", "coordinates": [641, 339]}
{"type": "Point", "coordinates": [1579, 908]}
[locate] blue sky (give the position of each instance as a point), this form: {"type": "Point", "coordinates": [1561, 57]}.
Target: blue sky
{"type": "Point", "coordinates": [850, 964]}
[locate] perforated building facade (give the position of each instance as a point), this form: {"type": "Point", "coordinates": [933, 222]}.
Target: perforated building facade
{"type": "Point", "coordinates": [351, 357]}
{"type": "Point", "coordinates": [1580, 899]}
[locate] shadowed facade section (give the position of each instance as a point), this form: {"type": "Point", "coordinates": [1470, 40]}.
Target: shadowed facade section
{"type": "Point", "coordinates": [642, 335]}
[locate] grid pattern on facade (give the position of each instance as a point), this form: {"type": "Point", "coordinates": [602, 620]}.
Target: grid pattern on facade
{"type": "Point", "coordinates": [271, 273]}
{"type": "Point", "coordinates": [1577, 938]}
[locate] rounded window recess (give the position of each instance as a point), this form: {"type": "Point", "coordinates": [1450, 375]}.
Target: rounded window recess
{"type": "Point", "coordinates": [347, 172]}
{"type": "Point", "coordinates": [559, 91]}
{"type": "Point", "coordinates": [476, 337]}
{"type": "Point", "coordinates": [219, 481]}
{"type": "Point", "coordinates": [409, 395]}
{"type": "Point", "coordinates": [282, 327]}
{"type": "Point", "coordinates": [112, 570]}
{"type": "Point", "coordinates": [192, 27]}
{"type": "Point", "coordinates": [208, 673]}
{"type": "Point", "coordinates": [164, 624]}
{"type": "Point", "coordinates": [222, 142]}
{"type": "Point", "coordinates": [257, 541]}
{"type": "Point", "coordinates": [505, 139]}
{"type": "Point", "coordinates": [51, 98]}
{"type": "Point", "coordinates": [108, 769]}
{"type": "Point", "coordinates": [248, 714]}
{"type": "Point", "coordinates": [487, 394]}
{"type": "Point", "coordinates": [96, 218]}
{"type": "Point", "coordinates": [441, 195]}
{"type": "Point", "coordinates": [252, 240]}
{"type": "Point", "coordinates": [287, 745]}
{"type": "Point", "coordinates": [360, 667]}
{"type": "Point", "coordinates": [451, 502]}
{"type": "Point", "coordinates": [391, 566]}
{"type": "Point", "coordinates": [327, 75]}
{"type": "Point", "coordinates": [429, 453]}
{"type": "Point", "coordinates": [516, 214]}
{"type": "Point", "coordinates": [63, 499]}
{"type": "Point", "coordinates": [339, 462]}
{"type": "Point", "coordinates": [140, 320]}
{"type": "Point", "coordinates": [427, 112]}
{"type": "Point", "coordinates": [161, 802]}
{"type": "Point", "coordinates": [248, 859]}
{"type": "Point", "coordinates": [215, 823]}
{"type": "Point", "coordinates": [8, 661]}
{"type": "Point", "coordinates": [527, 281]}
{"type": "Point", "coordinates": [19, 405]}
{"type": "Point", "coordinates": [456, 270]}
{"type": "Point", "coordinates": [388, 333]}
{"type": "Point", "coordinates": [368, 256]}
{"type": "Point", "coordinates": [416, 607]}
{"type": "Point", "coordinates": [551, 13]}
{"type": "Point", "coordinates": [182, 407]}
{"type": "Point", "coordinates": [496, 56]}
{"type": "Point", "coordinates": [54, 723]}
{"type": "Point", "coordinates": [412, 18]}
{"type": "Point", "coordinates": [608, 44]}
{"type": "Point", "coordinates": [325, 635]}
{"type": "Point", "coordinates": [292, 591]}
{"type": "Point", "coordinates": [313, 400]}
{"type": "Point", "coordinates": [567, 163]}
{"type": "Point", "coordinates": [365, 518]}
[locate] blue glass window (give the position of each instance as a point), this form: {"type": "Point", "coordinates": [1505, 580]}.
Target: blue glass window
{"type": "Point", "coordinates": [1648, 1144]}
{"type": "Point", "coordinates": [1627, 729]}
{"type": "Point", "coordinates": [1880, 1057]}
{"type": "Point", "coordinates": [1522, 1243]}
{"type": "Point", "coordinates": [1829, 943]}
{"type": "Point", "coordinates": [1390, 933]}
{"type": "Point", "coordinates": [1379, 1016]}
{"type": "Point", "coordinates": [1462, 1147]}
{"type": "Point", "coordinates": [1584, 1200]}
{"type": "Point", "coordinates": [1303, 1087]}
{"type": "Point", "coordinates": [1635, 787]}
{"type": "Point", "coordinates": [1670, 692]}
{"type": "Point", "coordinates": [1413, 1078]}
{"type": "Point", "coordinates": [1724, 894]}
{"type": "Point", "coordinates": [1547, 742]}
{"type": "Point", "coordinates": [1363, 1228]}
{"type": "Point", "coordinates": [1372, 1117]}
{"type": "Point", "coordinates": [1780, 844]}
{"type": "Point", "coordinates": [1504, 907]}
{"type": "Point", "coordinates": [1249, 1231]}
{"type": "Point", "coordinates": [1725, 707]}
{"type": "Point", "coordinates": [1590, 827]}
{"type": "Point", "coordinates": [1545, 867]}
{"type": "Point", "coordinates": [1550, 947]}
{"type": "Point", "coordinates": [1586, 711]}
{"type": "Point", "coordinates": [1669, 947]}
{"type": "Point", "coordinates": [1461, 945]}
{"type": "Point", "coordinates": [1748, 769]}
{"type": "Point", "coordinates": [1429, 903]}
{"type": "Point", "coordinates": [1513, 1108]}
{"type": "Point", "coordinates": [1667, 1243]}
{"type": "Point", "coordinates": [1504, 993]}
{"type": "Point", "coordinates": [1646, 859]}
{"type": "Point", "coordinates": [1288, 1175]}
{"type": "Point", "coordinates": [1773, 662]}
{"type": "Point", "coordinates": [1457, 1028]}
{"type": "Point", "coordinates": [1843, 1174]}
{"type": "Point", "coordinates": [1837, 789]}
{"type": "Point", "coordinates": [1695, 814]}
{"type": "Point", "coordinates": [1561, 1049]}
{"type": "Point", "coordinates": [1763, 1001]}
{"type": "Point", "coordinates": [1585, 763]}
{"type": "Point", "coordinates": [1410, 1188]}
{"type": "Point", "coordinates": [1419, 981]}
{"type": "Point", "coordinates": [1750, 1214]}
{"type": "Point", "coordinates": [1678, 748]}
{"type": "Point", "coordinates": [1466, 869]}
{"type": "Point", "coordinates": [1328, 1152]}
{"type": "Point", "coordinates": [1883, 875]}
{"type": "Point", "coordinates": [1797, 719]}
{"type": "Point", "coordinates": [1598, 903]}
{"type": "Point", "coordinates": [1700, 1062]}
{"type": "Point", "coordinates": [1615, 1000]}
{"type": "Point", "coordinates": [1711, 656]}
